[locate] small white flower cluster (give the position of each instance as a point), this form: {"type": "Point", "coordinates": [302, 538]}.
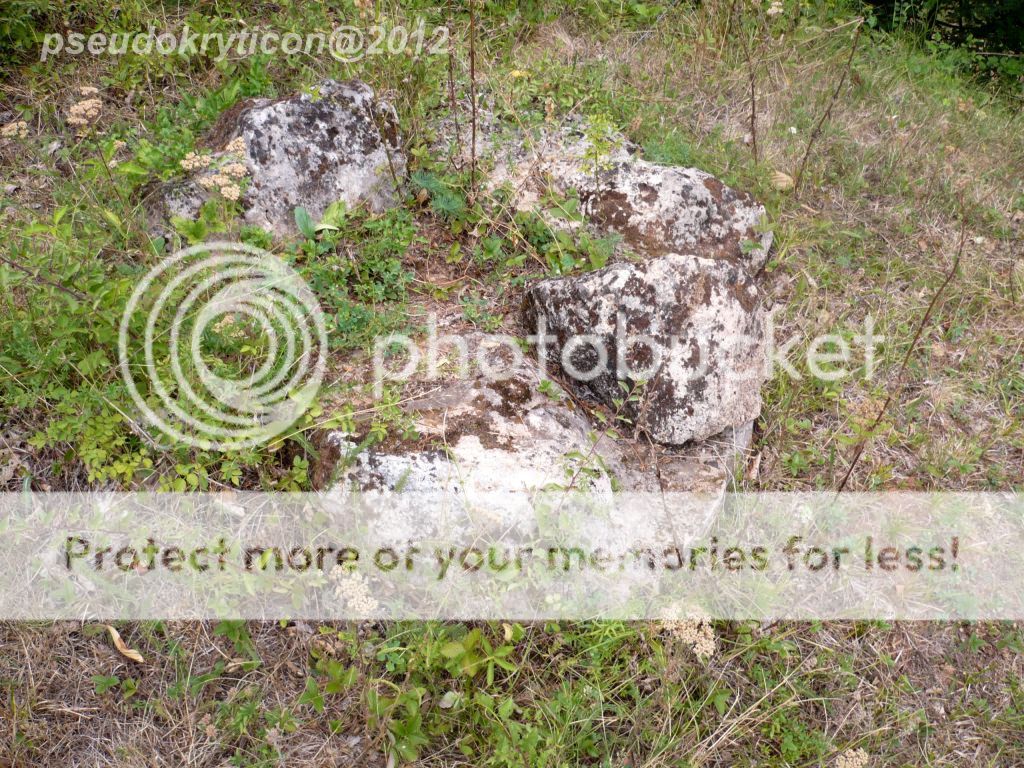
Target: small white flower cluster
{"type": "Point", "coordinates": [195, 162]}
{"type": "Point", "coordinates": [696, 633]}
{"type": "Point", "coordinates": [225, 178]}
{"type": "Point", "coordinates": [208, 727]}
{"type": "Point", "coordinates": [16, 130]}
{"type": "Point", "coordinates": [85, 112]}
{"type": "Point", "coordinates": [775, 9]}
{"type": "Point", "coordinates": [234, 170]}
{"type": "Point", "coordinates": [352, 589]}
{"type": "Point", "coordinates": [224, 182]}
{"type": "Point", "coordinates": [854, 758]}
{"type": "Point", "coordinates": [229, 325]}
{"type": "Point", "coordinates": [365, 8]}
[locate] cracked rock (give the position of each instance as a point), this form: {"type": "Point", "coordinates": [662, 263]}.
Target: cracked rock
{"type": "Point", "coordinates": [694, 329]}
{"type": "Point", "coordinates": [656, 209]}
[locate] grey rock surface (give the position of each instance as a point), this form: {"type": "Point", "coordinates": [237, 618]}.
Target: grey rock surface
{"type": "Point", "coordinates": [310, 151]}
{"type": "Point", "coordinates": [660, 209]}
{"type": "Point", "coordinates": [504, 435]}
{"type": "Point", "coordinates": [181, 199]}
{"type": "Point", "coordinates": [694, 329]}
{"type": "Point", "coordinates": [657, 209]}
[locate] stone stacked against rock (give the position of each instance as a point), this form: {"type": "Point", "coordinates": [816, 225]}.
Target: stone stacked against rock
{"type": "Point", "coordinates": [657, 209]}
{"type": "Point", "coordinates": [677, 318]}
{"type": "Point", "coordinates": [501, 433]}
{"type": "Point", "coordinates": [684, 315]}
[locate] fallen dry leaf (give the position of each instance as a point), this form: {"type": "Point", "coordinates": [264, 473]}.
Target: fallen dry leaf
{"type": "Point", "coordinates": [9, 464]}
{"type": "Point", "coordinates": [124, 650]}
{"type": "Point", "coordinates": [782, 181]}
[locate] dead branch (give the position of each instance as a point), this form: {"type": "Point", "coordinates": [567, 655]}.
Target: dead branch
{"type": "Point", "coordinates": [906, 358]}
{"type": "Point", "coordinates": [828, 110]}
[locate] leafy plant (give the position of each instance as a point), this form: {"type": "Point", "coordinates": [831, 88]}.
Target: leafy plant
{"type": "Point", "coordinates": [602, 140]}
{"type": "Point", "coordinates": [446, 200]}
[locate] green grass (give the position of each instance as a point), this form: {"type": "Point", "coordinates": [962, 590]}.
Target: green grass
{"type": "Point", "coordinates": [505, 694]}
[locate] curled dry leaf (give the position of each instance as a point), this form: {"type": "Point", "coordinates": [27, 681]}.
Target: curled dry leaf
{"type": "Point", "coordinates": [9, 464]}
{"type": "Point", "coordinates": [124, 650]}
{"type": "Point", "coordinates": [782, 181]}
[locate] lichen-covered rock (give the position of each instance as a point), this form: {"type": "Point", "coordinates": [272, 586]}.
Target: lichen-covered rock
{"type": "Point", "coordinates": [662, 209]}
{"type": "Point", "coordinates": [313, 151]}
{"type": "Point", "coordinates": [182, 199]}
{"type": "Point", "coordinates": [487, 435]}
{"type": "Point", "coordinates": [308, 150]}
{"type": "Point", "coordinates": [693, 329]}
{"type": "Point", "coordinates": [657, 209]}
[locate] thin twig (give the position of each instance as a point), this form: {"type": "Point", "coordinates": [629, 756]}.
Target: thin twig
{"type": "Point", "coordinates": [906, 358]}
{"type": "Point", "coordinates": [52, 283]}
{"type": "Point", "coordinates": [452, 103]}
{"type": "Point", "coordinates": [752, 76]}
{"type": "Point", "coordinates": [828, 111]}
{"type": "Point", "coordinates": [1013, 282]}
{"type": "Point", "coordinates": [472, 97]}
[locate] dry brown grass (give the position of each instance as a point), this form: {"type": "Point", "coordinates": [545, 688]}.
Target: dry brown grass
{"type": "Point", "coordinates": [54, 705]}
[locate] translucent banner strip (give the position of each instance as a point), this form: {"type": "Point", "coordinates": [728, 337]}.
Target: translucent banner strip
{"type": "Point", "coordinates": [554, 555]}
